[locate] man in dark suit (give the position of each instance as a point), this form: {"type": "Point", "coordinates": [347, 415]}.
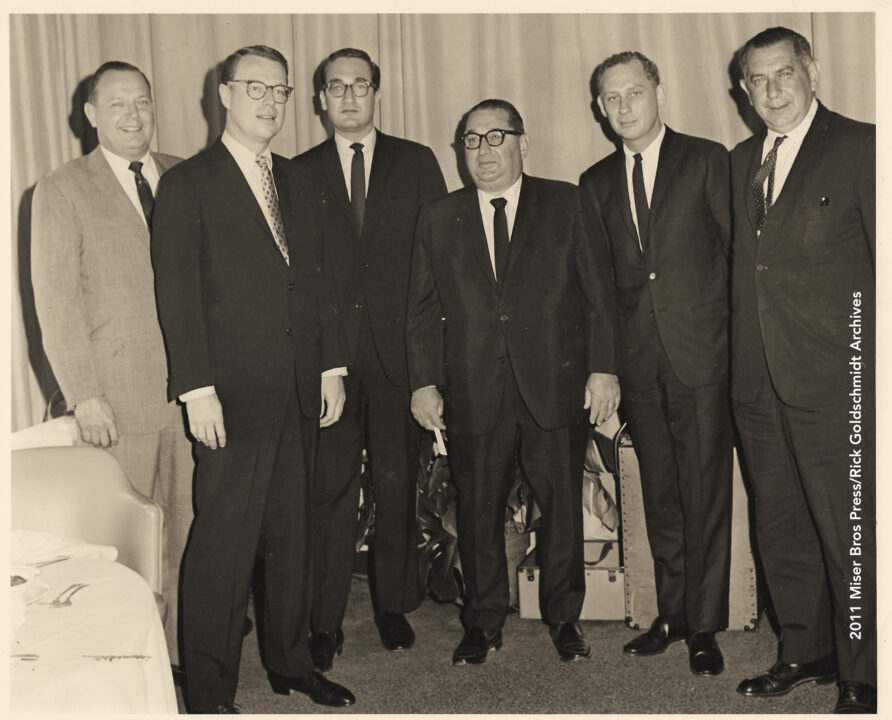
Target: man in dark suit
{"type": "Point", "coordinates": [661, 206]}
{"type": "Point", "coordinates": [804, 195]}
{"type": "Point", "coordinates": [509, 314]}
{"type": "Point", "coordinates": [95, 298]}
{"type": "Point", "coordinates": [249, 329]}
{"type": "Point", "coordinates": [367, 190]}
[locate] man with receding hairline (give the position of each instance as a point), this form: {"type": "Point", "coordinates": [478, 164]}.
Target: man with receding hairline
{"type": "Point", "coordinates": [94, 294]}
{"type": "Point", "coordinates": [660, 205]}
{"type": "Point", "coordinates": [249, 327]}
{"type": "Point", "coordinates": [803, 369]}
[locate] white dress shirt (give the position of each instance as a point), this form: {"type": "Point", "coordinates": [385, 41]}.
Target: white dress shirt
{"type": "Point", "coordinates": [650, 158]}
{"type": "Point", "coordinates": [247, 162]}
{"type": "Point", "coordinates": [488, 213]}
{"type": "Point", "coordinates": [345, 155]}
{"type": "Point", "coordinates": [788, 149]}
{"type": "Point", "coordinates": [121, 168]}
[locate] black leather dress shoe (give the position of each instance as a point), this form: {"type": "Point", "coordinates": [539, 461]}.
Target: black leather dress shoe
{"type": "Point", "coordinates": [396, 633]}
{"type": "Point", "coordinates": [705, 656]}
{"type": "Point", "coordinates": [475, 646]}
{"type": "Point", "coordinates": [323, 648]}
{"type": "Point", "coordinates": [315, 685]}
{"type": "Point", "coordinates": [655, 640]}
{"type": "Point", "coordinates": [856, 697]}
{"type": "Point", "coordinates": [570, 642]}
{"type": "Point", "coordinates": [229, 708]}
{"type": "Point", "coordinates": [783, 677]}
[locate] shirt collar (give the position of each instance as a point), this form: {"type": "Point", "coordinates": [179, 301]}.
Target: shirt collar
{"type": "Point", "coordinates": [121, 166]}
{"type": "Point", "coordinates": [650, 154]}
{"type": "Point", "coordinates": [797, 134]}
{"type": "Point", "coordinates": [511, 194]}
{"type": "Point", "coordinates": [343, 144]}
{"type": "Point", "coordinates": [243, 156]}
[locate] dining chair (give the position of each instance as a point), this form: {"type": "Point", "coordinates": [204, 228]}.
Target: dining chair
{"type": "Point", "coordinates": [82, 492]}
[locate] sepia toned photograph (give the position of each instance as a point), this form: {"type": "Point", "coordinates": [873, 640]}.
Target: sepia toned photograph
{"type": "Point", "coordinates": [443, 363]}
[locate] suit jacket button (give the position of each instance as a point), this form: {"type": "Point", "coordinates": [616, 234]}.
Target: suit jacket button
{"type": "Point", "coordinates": [503, 318]}
{"type": "Point", "coordinates": [501, 359]}
{"type": "Point", "coordinates": [290, 286]}
{"type": "Point", "coordinates": [760, 267]}
{"type": "Point", "coordinates": [363, 266]}
{"type": "Point", "coordinates": [652, 276]}
{"type": "Point", "coordinates": [288, 331]}
{"type": "Point", "coordinates": [358, 306]}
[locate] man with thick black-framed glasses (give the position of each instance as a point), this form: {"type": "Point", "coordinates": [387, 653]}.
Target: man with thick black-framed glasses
{"type": "Point", "coordinates": [525, 363]}
{"type": "Point", "coordinates": [249, 327]}
{"type": "Point", "coordinates": [367, 191]}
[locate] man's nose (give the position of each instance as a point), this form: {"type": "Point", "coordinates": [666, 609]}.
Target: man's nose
{"type": "Point", "coordinates": [772, 88]}
{"type": "Point", "coordinates": [485, 148]}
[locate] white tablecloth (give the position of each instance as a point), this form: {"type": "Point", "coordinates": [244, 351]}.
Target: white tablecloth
{"type": "Point", "coordinates": [105, 653]}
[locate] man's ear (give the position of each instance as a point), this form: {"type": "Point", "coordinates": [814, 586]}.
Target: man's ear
{"type": "Point", "coordinates": [225, 95]}
{"type": "Point", "coordinates": [746, 90]}
{"type": "Point", "coordinates": [601, 105]}
{"type": "Point", "coordinates": [524, 145]}
{"type": "Point", "coordinates": [814, 74]}
{"type": "Point", "coordinates": [661, 95]}
{"type": "Point", "coordinates": [90, 112]}
{"type": "Point", "coordinates": [323, 103]}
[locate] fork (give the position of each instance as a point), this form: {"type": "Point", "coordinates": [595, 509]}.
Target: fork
{"type": "Point", "coordinates": [64, 598]}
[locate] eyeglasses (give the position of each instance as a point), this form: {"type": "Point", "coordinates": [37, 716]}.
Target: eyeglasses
{"type": "Point", "coordinates": [494, 138]}
{"type": "Point", "coordinates": [257, 90]}
{"type": "Point", "coordinates": [338, 89]}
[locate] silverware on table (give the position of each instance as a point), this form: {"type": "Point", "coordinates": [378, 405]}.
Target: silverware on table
{"type": "Point", "coordinates": [64, 597]}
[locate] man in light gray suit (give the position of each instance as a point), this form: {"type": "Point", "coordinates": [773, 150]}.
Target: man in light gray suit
{"type": "Point", "coordinates": [95, 299]}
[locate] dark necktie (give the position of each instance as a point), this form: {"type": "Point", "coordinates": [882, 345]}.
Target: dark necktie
{"type": "Point", "coordinates": [144, 191]}
{"type": "Point", "coordinates": [762, 196]}
{"type": "Point", "coordinates": [642, 211]}
{"type": "Point", "coordinates": [357, 184]}
{"type": "Point", "coordinates": [273, 211]}
{"type": "Point", "coordinates": [500, 237]}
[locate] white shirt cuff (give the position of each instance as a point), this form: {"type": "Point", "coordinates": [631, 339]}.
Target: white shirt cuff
{"type": "Point", "coordinates": [197, 393]}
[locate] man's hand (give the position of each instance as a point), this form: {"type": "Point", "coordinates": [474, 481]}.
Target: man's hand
{"type": "Point", "coordinates": [333, 397]}
{"type": "Point", "coordinates": [427, 407]}
{"type": "Point", "coordinates": [602, 396]}
{"type": "Point", "coordinates": [206, 420]}
{"type": "Point", "coordinates": [96, 421]}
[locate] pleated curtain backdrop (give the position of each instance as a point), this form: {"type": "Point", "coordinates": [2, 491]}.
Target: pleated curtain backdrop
{"type": "Point", "coordinates": [433, 68]}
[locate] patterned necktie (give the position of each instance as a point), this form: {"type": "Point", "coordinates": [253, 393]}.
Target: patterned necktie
{"type": "Point", "coordinates": [762, 196]}
{"type": "Point", "coordinates": [357, 184]}
{"type": "Point", "coordinates": [641, 209]}
{"type": "Point", "coordinates": [144, 190]}
{"type": "Point", "coordinates": [500, 237]}
{"type": "Point", "coordinates": [274, 214]}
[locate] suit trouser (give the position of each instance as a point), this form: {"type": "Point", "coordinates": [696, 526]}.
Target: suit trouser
{"type": "Point", "coordinates": [815, 529]}
{"type": "Point", "coordinates": [160, 466]}
{"type": "Point", "coordinates": [376, 416]}
{"type": "Point", "coordinates": [483, 470]}
{"type": "Point", "coordinates": [257, 485]}
{"type": "Point", "coordinates": [684, 442]}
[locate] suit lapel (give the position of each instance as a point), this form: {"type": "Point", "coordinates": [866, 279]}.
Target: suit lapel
{"type": "Point", "coordinates": [751, 170]}
{"type": "Point", "coordinates": [809, 152]}
{"type": "Point", "coordinates": [620, 190]}
{"type": "Point", "coordinates": [284, 193]}
{"type": "Point", "coordinates": [336, 182]}
{"type": "Point", "coordinates": [472, 221]}
{"type": "Point", "coordinates": [523, 221]}
{"type": "Point", "coordinates": [382, 160]}
{"type": "Point", "coordinates": [105, 180]}
{"type": "Point", "coordinates": [230, 176]}
{"type": "Point", "coordinates": [665, 169]}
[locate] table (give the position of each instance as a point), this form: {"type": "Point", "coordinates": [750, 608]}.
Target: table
{"type": "Point", "coordinates": [105, 653]}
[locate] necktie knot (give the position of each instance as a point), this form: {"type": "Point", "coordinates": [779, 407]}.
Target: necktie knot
{"type": "Point", "coordinates": [357, 148]}
{"type": "Point", "coordinates": [261, 161]}
{"type": "Point", "coordinates": [637, 158]}
{"type": "Point", "coordinates": [136, 167]}
{"type": "Point", "coordinates": [498, 203]}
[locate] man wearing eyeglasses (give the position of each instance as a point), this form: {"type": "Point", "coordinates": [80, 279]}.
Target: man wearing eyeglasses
{"type": "Point", "coordinates": [661, 207]}
{"type": "Point", "coordinates": [527, 349]}
{"type": "Point", "coordinates": [94, 295]}
{"type": "Point", "coordinates": [249, 328]}
{"type": "Point", "coordinates": [367, 190]}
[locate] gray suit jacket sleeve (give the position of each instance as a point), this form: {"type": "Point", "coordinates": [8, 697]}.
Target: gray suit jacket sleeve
{"type": "Point", "coordinates": [56, 245]}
